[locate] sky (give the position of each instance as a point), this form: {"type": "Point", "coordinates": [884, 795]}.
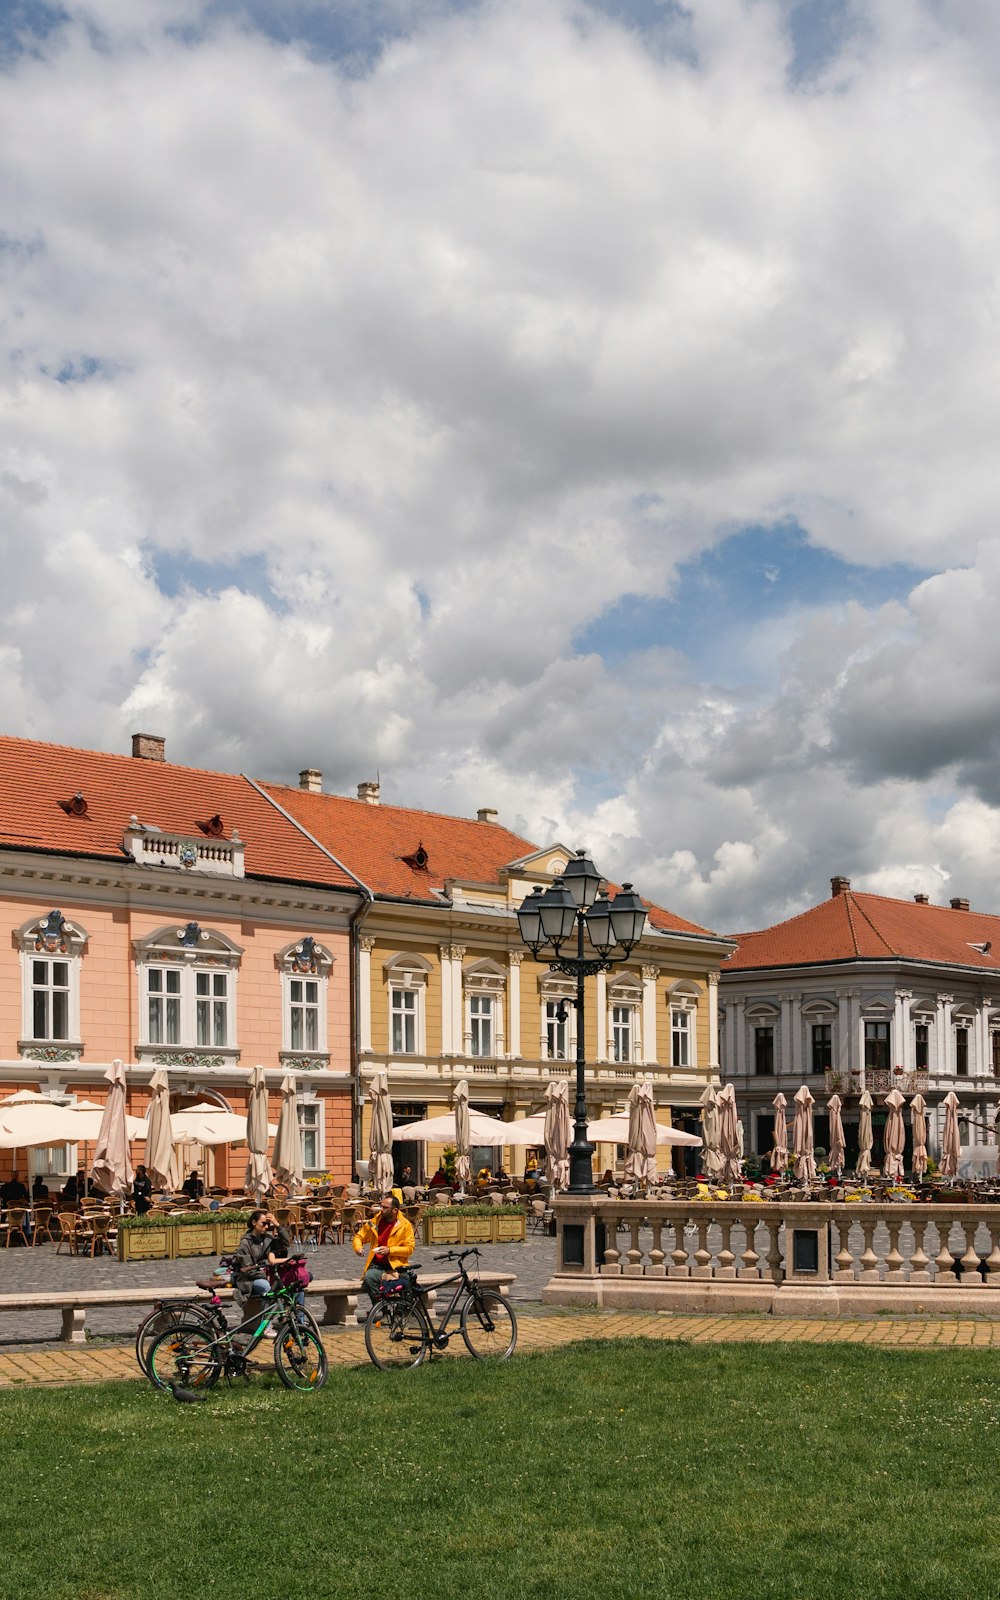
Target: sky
{"type": "Point", "coordinates": [585, 408]}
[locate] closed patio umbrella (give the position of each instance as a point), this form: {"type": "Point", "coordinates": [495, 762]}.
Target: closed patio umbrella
{"type": "Point", "coordinates": [779, 1144]}
{"type": "Point", "coordinates": [159, 1135]}
{"type": "Point", "coordinates": [259, 1174]}
{"type": "Point", "coordinates": [711, 1159]}
{"type": "Point", "coordinates": [951, 1144]}
{"type": "Point", "coordinates": [286, 1158]}
{"type": "Point", "coordinates": [894, 1138]}
{"type": "Point", "coordinates": [557, 1134]}
{"type": "Point", "coordinates": [640, 1163]}
{"type": "Point", "coordinates": [802, 1136]}
{"type": "Point", "coordinates": [463, 1137]}
{"type": "Point", "coordinates": [112, 1170]}
{"type": "Point", "coordinates": [865, 1136]}
{"type": "Point", "coordinates": [380, 1134]}
{"type": "Point", "coordinates": [729, 1134]}
{"type": "Point", "coordinates": [838, 1148]}
{"type": "Point", "coordinates": [918, 1111]}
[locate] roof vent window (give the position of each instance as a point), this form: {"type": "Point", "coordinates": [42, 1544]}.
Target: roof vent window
{"type": "Point", "coordinates": [418, 860]}
{"type": "Point", "coordinates": [76, 806]}
{"type": "Point", "coordinates": [214, 827]}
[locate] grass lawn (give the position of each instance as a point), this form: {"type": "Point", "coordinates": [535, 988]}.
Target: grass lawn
{"type": "Point", "coordinates": [608, 1470]}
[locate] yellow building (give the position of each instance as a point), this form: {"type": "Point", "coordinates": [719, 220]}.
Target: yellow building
{"type": "Point", "coordinates": [445, 989]}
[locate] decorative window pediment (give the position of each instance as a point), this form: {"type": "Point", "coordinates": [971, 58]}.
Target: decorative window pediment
{"type": "Point", "coordinates": [188, 943]}
{"type": "Point", "coordinates": [407, 970]}
{"type": "Point", "coordinates": [819, 1010]}
{"type": "Point", "coordinates": [51, 959]}
{"type": "Point", "coordinates": [684, 990]}
{"type": "Point", "coordinates": [51, 935]}
{"type": "Point", "coordinates": [306, 957]}
{"type": "Point", "coordinates": [484, 977]}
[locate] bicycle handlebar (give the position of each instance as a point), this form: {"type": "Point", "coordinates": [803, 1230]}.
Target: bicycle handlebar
{"type": "Point", "coordinates": [457, 1255]}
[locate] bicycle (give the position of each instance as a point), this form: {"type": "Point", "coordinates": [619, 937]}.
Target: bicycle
{"type": "Point", "coordinates": [168, 1313]}
{"type": "Point", "coordinates": [399, 1331]}
{"type": "Point", "coordinates": [191, 1355]}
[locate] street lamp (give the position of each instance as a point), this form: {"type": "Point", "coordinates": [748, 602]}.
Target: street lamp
{"type": "Point", "coordinates": [611, 928]}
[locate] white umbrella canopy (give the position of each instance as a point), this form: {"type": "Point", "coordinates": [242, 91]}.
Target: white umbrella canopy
{"type": "Point", "coordinates": [159, 1138]}
{"type": "Point", "coordinates": [557, 1133]}
{"type": "Point", "coordinates": [441, 1130]}
{"type": "Point", "coordinates": [32, 1126]}
{"type": "Point", "coordinates": [614, 1130]}
{"type": "Point", "coordinates": [259, 1172]}
{"type": "Point", "coordinates": [802, 1136]}
{"type": "Point", "coordinates": [640, 1162]}
{"type": "Point", "coordinates": [527, 1130]}
{"type": "Point", "coordinates": [951, 1144]}
{"type": "Point", "coordinates": [286, 1157]}
{"type": "Point", "coordinates": [838, 1151]}
{"type": "Point", "coordinates": [779, 1139]}
{"type": "Point", "coordinates": [729, 1136]}
{"type": "Point", "coordinates": [380, 1134]}
{"type": "Point", "coordinates": [918, 1111]}
{"type": "Point", "coordinates": [112, 1170]}
{"type": "Point", "coordinates": [711, 1158]}
{"type": "Point", "coordinates": [210, 1124]}
{"type": "Point", "coordinates": [865, 1136]}
{"type": "Point", "coordinates": [463, 1138]}
{"type": "Point", "coordinates": [894, 1137]}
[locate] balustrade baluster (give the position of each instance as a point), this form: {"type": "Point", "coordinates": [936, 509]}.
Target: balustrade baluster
{"type": "Point", "coordinates": [611, 1267]}
{"type": "Point", "coordinates": [894, 1271]}
{"type": "Point", "coordinates": [656, 1269]}
{"type": "Point", "coordinates": [773, 1272]}
{"type": "Point", "coordinates": [727, 1256]}
{"type": "Point", "coordinates": [634, 1252]}
{"type": "Point", "coordinates": [679, 1254]}
{"type": "Point", "coordinates": [919, 1260]}
{"type": "Point", "coordinates": [869, 1260]}
{"type": "Point", "coordinates": [750, 1257]}
{"type": "Point", "coordinates": [993, 1259]}
{"type": "Point", "coordinates": [971, 1278]}
{"type": "Point", "coordinates": [944, 1260]}
{"type": "Point", "coordinates": [844, 1259]}
{"type": "Point", "coordinates": [703, 1256]}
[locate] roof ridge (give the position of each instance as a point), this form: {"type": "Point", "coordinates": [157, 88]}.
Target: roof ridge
{"type": "Point", "coordinates": [850, 898]}
{"type": "Point", "coordinates": [116, 755]}
{"type": "Point", "coordinates": [418, 811]}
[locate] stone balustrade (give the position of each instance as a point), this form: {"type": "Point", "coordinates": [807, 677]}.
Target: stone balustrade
{"type": "Point", "coordinates": [787, 1257]}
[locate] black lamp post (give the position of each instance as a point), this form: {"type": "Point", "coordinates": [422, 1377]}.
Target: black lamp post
{"type": "Point", "coordinates": [612, 928]}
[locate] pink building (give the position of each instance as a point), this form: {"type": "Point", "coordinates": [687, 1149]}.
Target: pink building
{"type": "Point", "coordinates": [171, 918]}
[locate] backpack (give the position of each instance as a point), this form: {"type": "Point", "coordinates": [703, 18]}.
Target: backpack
{"type": "Point", "coordinates": [293, 1273]}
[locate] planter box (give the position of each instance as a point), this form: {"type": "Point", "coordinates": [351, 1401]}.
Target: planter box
{"type": "Point", "coordinates": [194, 1241]}
{"type": "Point", "coordinates": [477, 1230]}
{"type": "Point", "coordinates": [509, 1227]}
{"type": "Point", "coordinates": [227, 1236]}
{"type": "Point", "coordinates": [146, 1244]}
{"type": "Point", "coordinates": [441, 1227]}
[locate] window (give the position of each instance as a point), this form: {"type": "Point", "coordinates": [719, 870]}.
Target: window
{"type": "Point", "coordinates": [822, 1047]}
{"type": "Point", "coordinates": [556, 1026]}
{"type": "Point", "coordinates": [921, 1046]}
{"type": "Point", "coordinates": [187, 990]}
{"type": "Point", "coordinates": [51, 955]}
{"type": "Point", "coordinates": [403, 1014]}
{"type": "Point", "coordinates": [877, 1046]}
{"type": "Point", "coordinates": [49, 999]}
{"type": "Point", "coordinates": [763, 1052]}
{"type": "Point", "coordinates": [212, 1007]}
{"type": "Point", "coordinates": [303, 1013]}
{"type": "Point", "coordinates": [995, 1053]}
{"type": "Point", "coordinates": [311, 1135]}
{"type": "Point", "coordinates": [680, 1038]}
{"type": "Point", "coordinates": [163, 996]}
{"type": "Point", "coordinates": [962, 1052]}
{"type": "Point", "coordinates": [481, 1021]}
{"type": "Point", "coordinates": [621, 1033]}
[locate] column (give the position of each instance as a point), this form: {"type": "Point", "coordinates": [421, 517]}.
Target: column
{"type": "Point", "coordinates": [859, 1034]}
{"type": "Point", "coordinates": [457, 998]}
{"type": "Point", "coordinates": [902, 1032]}
{"type": "Point", "coordinates": [843, 1057]}
{"type": "Point", "coordinates": [942, 1035]}
{"type": "Point", "coordinates": [447, 1035]}
{"type": "Point", "coordinates": [649, 977]}
{"type": "Point", "coordinates": [785, 1063]}
{"type": "Point", "coordinates": [365, 948]}
{"type": "Point", "coordinates": [514, 959]}
{"type": "Point", "coordinates": [601, 1032]}
{"type": "Point", "coordinates": [713, 1023]}
{"type": "Point", "coordinates": [983, 1067]}
{"type": "Point", "coordinates": [740, 1028]}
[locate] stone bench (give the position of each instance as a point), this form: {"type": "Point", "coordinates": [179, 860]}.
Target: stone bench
{"type": "Point", "coordinates": [340, 1296]}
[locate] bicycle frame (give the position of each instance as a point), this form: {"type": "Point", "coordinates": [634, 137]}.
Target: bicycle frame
{"type": "Point", "coordinates": [465, 1287]}
{"type": "Point", "coordinates": [275, 1304]}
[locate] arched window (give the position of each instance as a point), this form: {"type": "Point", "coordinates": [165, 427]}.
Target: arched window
{"type": "Point", "coordinates": [52, 950]}
{"type": "Point", "coordinates": [557, 1005]}
{"type": "Point", "coordinates": [624, 1013]}
{"type": "Point", "coordinates": [406, 976]}
{"type": "Point", "coordinates": [484, 985]}
{"type": "Point", "coordinates": [682, 998]}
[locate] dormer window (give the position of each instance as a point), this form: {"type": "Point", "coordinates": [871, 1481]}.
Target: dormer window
{"type": "Point", "coordinates": [75, 806]}
{"type": "Point", "coordinates": [419, 860]}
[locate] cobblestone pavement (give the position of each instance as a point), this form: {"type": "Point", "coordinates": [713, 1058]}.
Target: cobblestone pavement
{"type": "Point", "coordinates": [548, 1330]}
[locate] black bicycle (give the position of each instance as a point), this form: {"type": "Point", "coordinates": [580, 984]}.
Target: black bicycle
{"type": "Point", "coordinates": [212, 1312]}
{"type": "Point", "coordinates": [192, 1355]}
{"type": "Point", "coordinates": [399, 1331]}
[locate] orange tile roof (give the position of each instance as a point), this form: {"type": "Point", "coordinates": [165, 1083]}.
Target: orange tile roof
{"type": "Point", "coordinates": [35, 777]}
{"type": "Point", "coordinates": [375, 840]}
{"type": "Point", "coordinates": [853, 926]}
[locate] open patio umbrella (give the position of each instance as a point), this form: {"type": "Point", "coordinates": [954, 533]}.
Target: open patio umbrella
{"type": "Point", "coordinates": [729, 1134]}
{"type": "Point", "coordinates": [112, 1170]}
{"type": "Point", "coordinates": [463, 1137]}
{"type": "Point", "coordinates": [711, 1159]}
{"type": "Point", "coordinates": [380, 1168]}
{"type": "Point", "coordinates": [441, 1130]}
{"type": "Point", "coordinates": [640, 1162]}
{"type": "Point", "coordinates": [894, 1137]}
{"type": "Point", "coordinates": [286, 1157]}
{"type": "Point", "coordinates": [30, 1126]}
{"type": "Point", "coordinates": [779, 1139]}
{"type": "Point", "coordinates": [159, 1136]}
{"type": "Point", "coordinates": [918, 1111]}
{"type": "Point", "coordinates": [614, 1130]}
{"type": "Point", "coordinates": [838, 1147]}
{"type": "Point", "coordinates": [865, 1136]}
{"type": "Point", "coordinates": [802, 1136]}
{"type": "Point", "coordinates": [951, 1144]}
{"type": "Point", "coordinates": [524, 1131]}
{"type": "Point", "coordinates": [259, 1174]}
{"type": "Point", "coordinates": [557, 1134]}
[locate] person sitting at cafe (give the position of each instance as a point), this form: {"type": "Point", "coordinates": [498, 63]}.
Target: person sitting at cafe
{"type": "Point", "coordinates": [389, 1236]}
{"type": "Point", "coordinates": [142, 1191]}
{"type": "Point", "coordinates": [69, 1190]}
{"type": "Point", "coordinates": [193, 1186]}
{"type": "Point", "coordinates": [39, 1188]}
{"type": "Point", "coordinates": [440, 1179]}
{"type": "Point", "coordinates": [13, 1192]}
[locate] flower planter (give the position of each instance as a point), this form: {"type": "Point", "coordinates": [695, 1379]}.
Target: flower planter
{"type": "Point", "coordinates": [227, 1236]}
{"type": "Point", "coordinates": [477, 1230]}
{"type": "Point", "coordinates": [442, 1227]}
{"type": "Point", "coordinates": [509, 1227]}
{"type": "Point", "coordinates": [195, 1240]}
{"type": "Point", "coordinates": [146, 1244]}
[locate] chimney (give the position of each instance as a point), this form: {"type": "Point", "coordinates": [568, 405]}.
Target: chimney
{"type": "Point", "coordinates": [839, 886]}
{"type": "Point", "coordinates": [369, 792]}
{"type": "Point", "coordinates": [312, 779]}
{"type": "Point", "coordinates": [959, 905]}
{"type": "Point", "coordinates": [922, 899]}
{"type": "Point", "coordinates": [148, 747]}
{"type": "Point", "coordinates": [486, 814]}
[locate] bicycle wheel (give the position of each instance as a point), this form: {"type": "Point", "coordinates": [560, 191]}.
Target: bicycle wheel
{"type": "Point", "coordinates": [165, 1317]}
{"type": "Point", "coordinates": [397, 1334]}
{"type": "Point", "coordinates": [299, 1358]}
{"type": "Point", "coordinates": [489, 1326]}
{"type": "Point", "coordinates": [185, 1356]}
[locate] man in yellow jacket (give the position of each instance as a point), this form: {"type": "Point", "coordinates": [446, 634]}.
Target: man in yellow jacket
{"type": "Point", "coordinates": [390, 1240]}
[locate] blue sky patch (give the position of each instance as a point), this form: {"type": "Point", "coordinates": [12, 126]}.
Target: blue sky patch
{"type": "Point", "coordinates": [177, 572]}
{"type": "Point", "coordinates": [723, 599]}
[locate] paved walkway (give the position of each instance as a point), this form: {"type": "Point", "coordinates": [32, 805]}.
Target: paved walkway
{"type": "Point", "coordinates": [546, 1331]}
